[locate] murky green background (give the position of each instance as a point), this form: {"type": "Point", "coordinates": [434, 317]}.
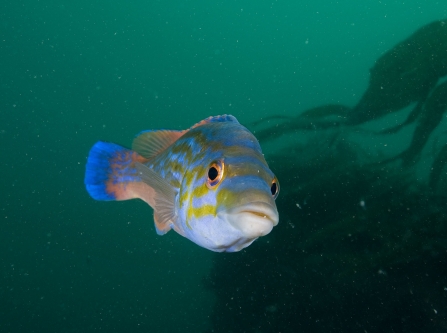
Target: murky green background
{"type": "Point", "coordinates": [74, 72]}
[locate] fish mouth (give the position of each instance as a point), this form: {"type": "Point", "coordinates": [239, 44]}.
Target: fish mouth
{"type": "Point", "coordinates": [261, 210]}
{"type": "Point", "coordinates": [244, 224]}
{"type": "Point", "coordinates": [253, 220]}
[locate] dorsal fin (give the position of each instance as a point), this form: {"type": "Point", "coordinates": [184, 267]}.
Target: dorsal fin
{"type": "Point", "coordinates": [216, 119]}
{"type": "Point", "coordinates": [151, 143]}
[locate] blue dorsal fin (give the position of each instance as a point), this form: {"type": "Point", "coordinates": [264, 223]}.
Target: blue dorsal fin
{"type": "Point", "coordinates": [151, 143]}
{"type": "Point", "coordinates": [216, 119]}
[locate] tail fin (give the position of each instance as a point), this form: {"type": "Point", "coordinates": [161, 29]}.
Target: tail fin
{"type": "Point", "coordinates": [110, 172]}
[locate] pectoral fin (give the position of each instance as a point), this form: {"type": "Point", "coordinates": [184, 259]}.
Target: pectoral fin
{"type": "Point", "coordinates": [164, 199]}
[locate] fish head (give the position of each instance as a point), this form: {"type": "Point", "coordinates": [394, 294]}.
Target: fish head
{"type": "Point", "coordinates": [227, 198]}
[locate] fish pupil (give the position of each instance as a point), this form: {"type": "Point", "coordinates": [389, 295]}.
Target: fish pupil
{"type": "Point", "coordinates": [273, 188]}
{"type": "Point", "coordinates": [212, 173]}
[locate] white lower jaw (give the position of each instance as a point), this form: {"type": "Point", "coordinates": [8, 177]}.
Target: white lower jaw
{"type": "Point", "coordinates": [254, 220]}
{"type": "Point", "coordinates": [248, 227]}
{"type": "Point", "coordinates": [242, 244]}
{"type": "Point", "coordinates": [241, 226]}
{"type": "Point", "coordinates": [251, 225]}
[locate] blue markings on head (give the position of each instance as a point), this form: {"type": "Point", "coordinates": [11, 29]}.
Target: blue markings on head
{"type": "Point", "coordinates": [181, 157]}
{"type": "Point", "coordinates": [243, 183]}
{"type": "Point", "coordinates": [238, 135]}
{"type": "Point", "coordinates": [248, 159]}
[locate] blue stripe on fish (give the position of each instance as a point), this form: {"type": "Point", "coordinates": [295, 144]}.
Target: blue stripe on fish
{"type": "Point", "coordinates": [242, 161]}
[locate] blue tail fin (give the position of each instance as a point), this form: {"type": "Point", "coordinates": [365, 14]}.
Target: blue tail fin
{"type": "Point", "coordinates": [107, 166]}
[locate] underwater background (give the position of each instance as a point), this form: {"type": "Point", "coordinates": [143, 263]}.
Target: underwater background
{"type": "Point", "coordinates": [361, 245]}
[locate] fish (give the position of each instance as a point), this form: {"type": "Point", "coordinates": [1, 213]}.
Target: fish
{"type": "Point", "coordinates": [209, 183]}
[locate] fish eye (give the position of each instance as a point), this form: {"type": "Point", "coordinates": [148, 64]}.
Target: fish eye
{"type": "Point", "coordinates": [215, 174]}
{"type": "Point", "coordinates": [274, 188]}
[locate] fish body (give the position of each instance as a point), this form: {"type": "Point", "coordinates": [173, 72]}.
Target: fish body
{"type": "Point", "coordinates": [210, 183]}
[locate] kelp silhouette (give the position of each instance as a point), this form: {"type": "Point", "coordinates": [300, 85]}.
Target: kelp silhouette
{"type": "Point", "coordinates": [437, 168]}
{"type": "Point", "coordinates": [321, 117]}
{"type": "Point", "coordinates": [358, 238]}
{"type": "Point", "coordinates": [407, 74]}
{"type": "Point", "coordinates": [430, 116]}
{"type": "Point", "coordinates": [404, 75]}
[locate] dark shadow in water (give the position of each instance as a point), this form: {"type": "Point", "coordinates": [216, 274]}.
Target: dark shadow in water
{"type": "Point", "coordinates": [362, 241]}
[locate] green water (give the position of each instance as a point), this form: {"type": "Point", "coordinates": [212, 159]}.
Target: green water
{"type": "Point", "coordinates": [72, 73]}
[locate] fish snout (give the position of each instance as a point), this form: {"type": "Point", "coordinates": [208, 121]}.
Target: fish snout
{"type": "Point", "coordinates": [254, 219]}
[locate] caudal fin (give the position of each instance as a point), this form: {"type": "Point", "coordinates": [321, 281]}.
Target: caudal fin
{"type": "Point", "coordinates": [111, 174]}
